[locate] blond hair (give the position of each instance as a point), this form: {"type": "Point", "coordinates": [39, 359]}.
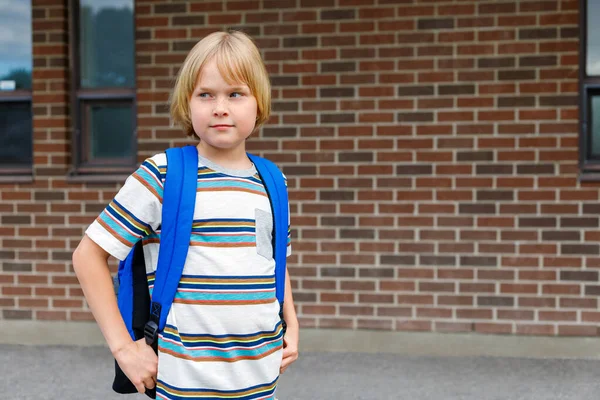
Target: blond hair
{"type": "Point", "coordinates": [239, 62]}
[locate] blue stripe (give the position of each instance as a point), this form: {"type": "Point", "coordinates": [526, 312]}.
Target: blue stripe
{"type": "Point", "coordinates": [137, 232]}
{"type": "Point", "coordinates": [147, 177]}
{"type": "Point", "coordinates": [190, 342]}
{"type": "Point", "coordinates": [225, 335]}
{"type": "Point", "coordinates": [155, 170]}
{"type": "Point", "coordinates": [223, 220]}
{"type": "Point", "coordinates": [223, 353]}
{"type": "Point", "coordinates": [232, 277]}
{"type": "Point", "coordinates": [200, 229]}
{"type": "Point", "coordinates": [241, 286]}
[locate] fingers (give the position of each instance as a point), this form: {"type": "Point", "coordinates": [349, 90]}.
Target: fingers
{"type": "Point", "coordinates": [288, 357]}
{"type": "Point", "coordinates": [284, 365]}
{"type": "Point", "coordinates": [149, 383]}
{"type": "Point", "coordinates": [287, 352]}
{"type": "Point", "coordinates": [140, 388]}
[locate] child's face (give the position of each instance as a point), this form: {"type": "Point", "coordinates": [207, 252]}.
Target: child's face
{"type": "Point", "coordinates": [223, 115]}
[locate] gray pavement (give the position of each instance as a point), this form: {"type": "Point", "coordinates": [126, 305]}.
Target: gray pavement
{"type": "Point", "coordinates": [75, 373]}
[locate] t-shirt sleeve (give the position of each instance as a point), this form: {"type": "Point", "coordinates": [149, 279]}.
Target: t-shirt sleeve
{"type": "Point", "coordinates": [134, 212]}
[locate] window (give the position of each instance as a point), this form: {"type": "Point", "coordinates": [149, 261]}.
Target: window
{"type": "Point", "coordinates": [589, 143]}
{"type": "Point", "coordinates": [103, 55]}
{"type": "Point", "coordinates": [16, 148]}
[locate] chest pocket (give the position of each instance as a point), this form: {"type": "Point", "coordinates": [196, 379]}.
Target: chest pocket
{"type": "Point", "coordinates": [264, 233]}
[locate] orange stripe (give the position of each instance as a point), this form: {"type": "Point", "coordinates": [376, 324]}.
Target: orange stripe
{"type": "Point", "coordinates": [115, 234]}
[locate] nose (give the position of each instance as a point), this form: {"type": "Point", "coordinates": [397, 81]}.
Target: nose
{"type": "Point", "coordinates": [220, 108]}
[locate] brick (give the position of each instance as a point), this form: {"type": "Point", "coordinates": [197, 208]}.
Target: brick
{"type": "Point", "coordinates": [436, 23]}
{"type": "Point", "coordinates": [189, 20]}
{"type": "Point", "coordinates": [416, 90]}
{"type": "Point", "coordinates": [16, 267]}
{"type": "Point", "coordinates": [516, 101]}
{"type": "Point", "coordinates": [579, 276]}
{"type": "Point", "coordinates": [477, 208]}
{"type": "Point", "coordinates": [338, 14]}
{"type": "Point", "coordinates": [415, 117]}
{"type": "Point", "coordinates": [557, 101]}
{"type": "Point", "coordinates": [17, 314]}
{"type": "Point", "coordinates": [561, 236]}
{"type": "Point", "coordinates": [16, 219]}
{"type": "Point", "coordinates": [397, 260]}
{"type": "Point", "coordinates": [516, 75]}
{"type": "Point", "coordinates": [580, 249]}
{"type": "Point", "coordinates": [579, 222]}
{"type": "Point", "coordinates": [537, 61]}
{"type": "Point", "coordinates": [444, 90]}
{"type": "Point", "coordinates": [498, 62]}
{"type": "Point", "coordinates": [536, 169]}
{"type": "Point", "coordinates": [336, 92]}
{"type": "Point", "coordinates": [437, 260]}
{"type": "Point", "coordinates": [300, 42]}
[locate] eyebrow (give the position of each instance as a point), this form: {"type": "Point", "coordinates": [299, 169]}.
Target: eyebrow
{"type": "Point", "coordinates": [230, 88]}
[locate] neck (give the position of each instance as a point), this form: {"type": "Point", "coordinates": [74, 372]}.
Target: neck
{"type": "Point", "coordinates": [235, 158]}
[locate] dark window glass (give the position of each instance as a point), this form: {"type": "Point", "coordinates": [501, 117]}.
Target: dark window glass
{"type": "Point", "coordinates": [106, 44]}
{"type": "Point", "coordinates": [110, 127]}
{"type": "Point", "coordinates": [15, 133]}
{"type": "Point", "coordinates": [15, 87]}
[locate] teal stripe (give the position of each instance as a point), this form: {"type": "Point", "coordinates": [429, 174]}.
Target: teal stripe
{"type": "Point", "coordinates": [245, 296]}
{"type": "Point", "coordinates": [146, 177]}
{"type": "Point", "coordinates": [124, 234]}
{"type": "Point", "coordinates": [224, 239]}
{"type": "Point", "coordinates": [229, 184]}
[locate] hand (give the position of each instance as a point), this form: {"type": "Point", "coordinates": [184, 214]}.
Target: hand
{"type": "Point", "coordinates": [290, 348]}
{"type": "Point", "coordinates": [139, 362]}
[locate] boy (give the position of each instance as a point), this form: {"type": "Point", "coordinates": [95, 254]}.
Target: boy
{"type": "Point", "coordinates": [223, 336]}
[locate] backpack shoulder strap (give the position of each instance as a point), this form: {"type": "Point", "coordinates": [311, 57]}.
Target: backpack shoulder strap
{"type": "Point", "coordinates": [179, 198]}
{"type": "Point", "coordinates": [277, 191]}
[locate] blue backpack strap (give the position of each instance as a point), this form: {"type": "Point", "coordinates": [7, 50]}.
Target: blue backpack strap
{"type": "Point", "coordinates": [278, 196]}
{"type": "Point", "coordinates": [179, 198]}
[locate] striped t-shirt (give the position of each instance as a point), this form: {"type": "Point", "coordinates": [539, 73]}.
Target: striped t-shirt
{"type": "Point", "coordinates": [223, 337]}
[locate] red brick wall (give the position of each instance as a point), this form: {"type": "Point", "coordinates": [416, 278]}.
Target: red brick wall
{"type": "Point", "coordinates": [431, 148]}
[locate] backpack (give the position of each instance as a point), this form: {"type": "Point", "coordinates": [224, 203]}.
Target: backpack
{"type": "Point", "coordinates": [145, 317]}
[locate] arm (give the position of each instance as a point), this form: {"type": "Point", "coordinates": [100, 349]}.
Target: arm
{"type": "Point", "coordinates": [137, 360]}
{"type": "Point", "coordinates": [289, 311]}
{"type": "Point", "coordinates": [90, 263]}
{"type": "Point", "coordinates": [290, 341]}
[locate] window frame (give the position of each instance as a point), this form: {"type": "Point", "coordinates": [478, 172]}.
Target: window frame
{"type": "Point", "coordinates": [81, 99]}
{"type": "Point", "coordinates": [20, 173]}
{"type": "Point", "coordinates": [589, 167]}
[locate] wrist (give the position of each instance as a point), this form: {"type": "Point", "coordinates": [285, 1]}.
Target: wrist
{"type": "Point", "coordinates": [292, 323]}
{"type": "Point", "coordinates": [116, 349]}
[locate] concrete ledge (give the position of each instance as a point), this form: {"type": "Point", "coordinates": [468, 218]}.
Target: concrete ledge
{"type": "Point", "coordinates": [449, 344]}
{"type": "Point", "coordinates": [333, 340]}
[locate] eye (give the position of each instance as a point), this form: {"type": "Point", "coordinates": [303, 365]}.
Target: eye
{"type": "Point", "coordinates": [204, 95]}
{"type": "Point", "coordinates": [236, 94]}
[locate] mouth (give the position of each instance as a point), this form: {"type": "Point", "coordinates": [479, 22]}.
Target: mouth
{"type": "Point", "coordinates": [221, 126]}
